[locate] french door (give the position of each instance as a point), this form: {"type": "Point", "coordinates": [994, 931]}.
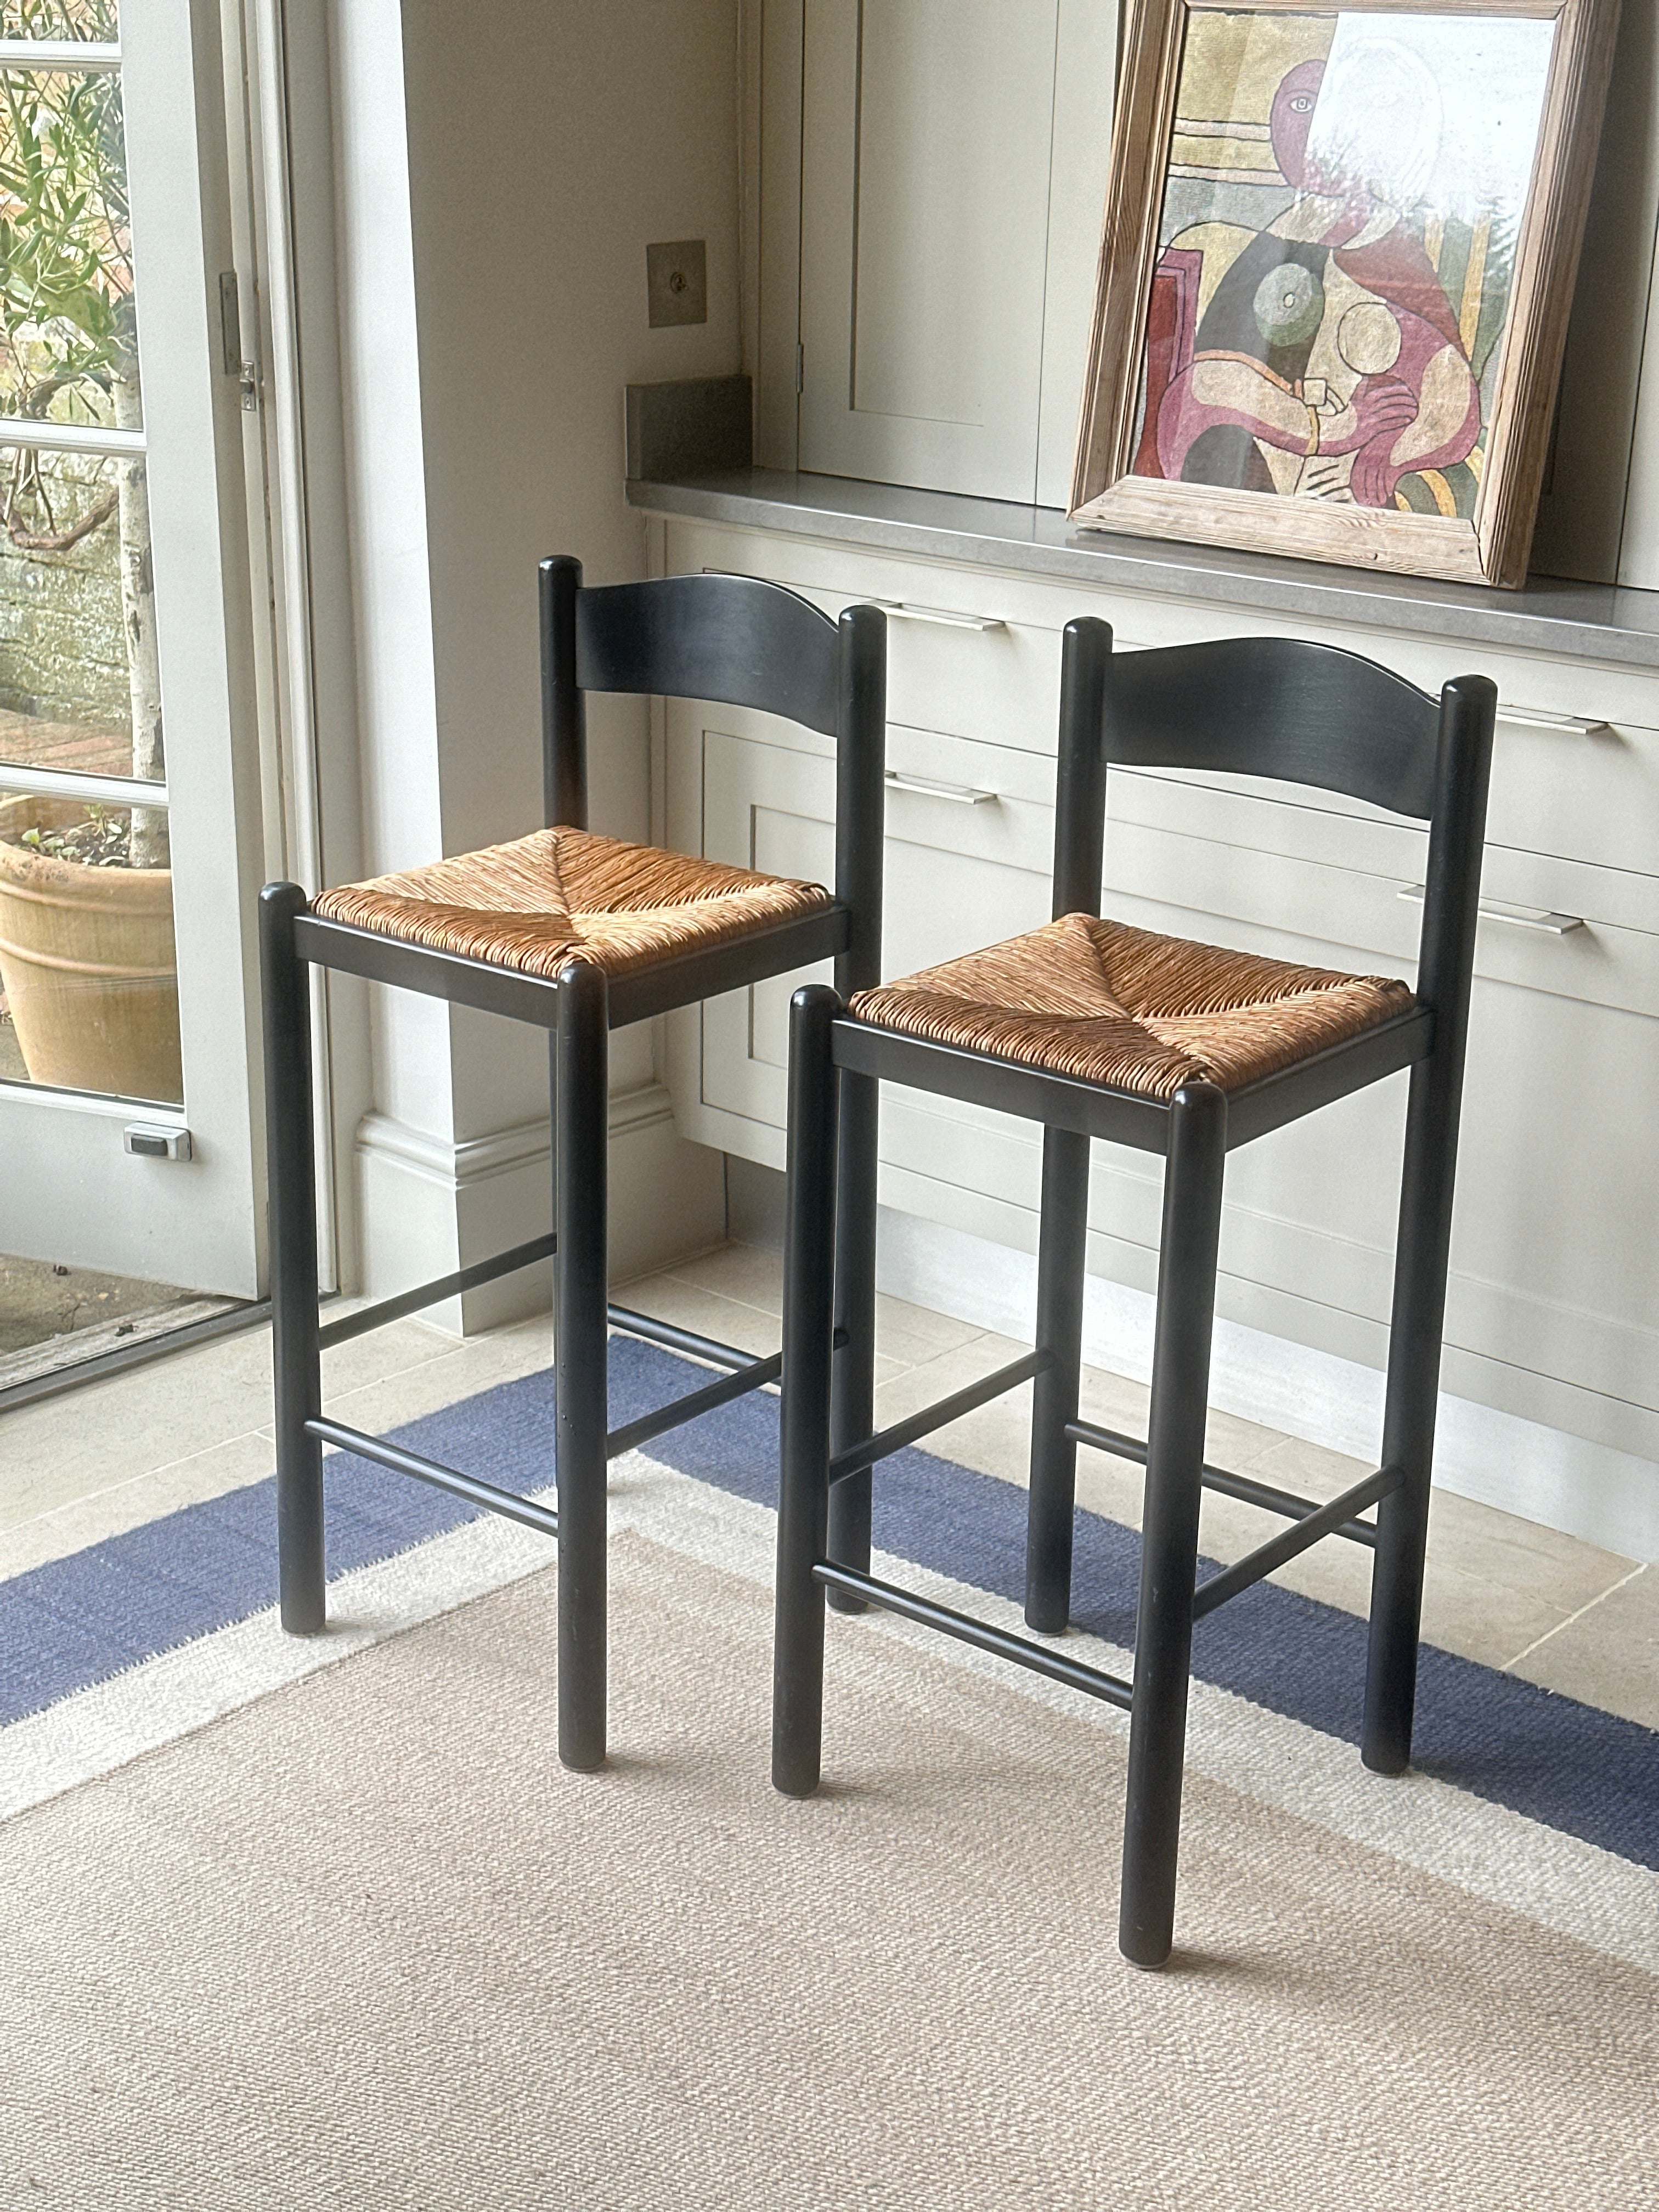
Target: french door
{"type": "Point", "coordinates": [129, 775]}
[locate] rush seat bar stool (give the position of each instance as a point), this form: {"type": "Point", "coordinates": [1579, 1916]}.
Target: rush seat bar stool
{"type": "Point", "coordinates": [1187, 1051]}
{"type": "Point", "coordinates": [579, 934]}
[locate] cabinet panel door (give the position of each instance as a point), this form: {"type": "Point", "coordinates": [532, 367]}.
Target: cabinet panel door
{"type": "Point", "coordinates": [927, 146]}
{"type": "Point", "coordinates": [959, 874]}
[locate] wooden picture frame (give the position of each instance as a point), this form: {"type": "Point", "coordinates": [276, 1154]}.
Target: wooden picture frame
{"type": "Point", "coordinates": [1409, 183]}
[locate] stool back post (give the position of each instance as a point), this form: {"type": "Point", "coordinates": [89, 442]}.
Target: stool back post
{"type": "Point", "coordinates": [1085, 674]}
{"type": "Point", "coordinates": [860, 835]}
{"type": "Point", "coordinates": [1468, 708]}
{"type": "Point", "coordinates": [860, 809]}
{"type": "Point", "coordinates": [1457, 829]}
{"type": "Point", "coordinates": [564, 716]}
{"type": "Point", "coordinates": [1085, 671]}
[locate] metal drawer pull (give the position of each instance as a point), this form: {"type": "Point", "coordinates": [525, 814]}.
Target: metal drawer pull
{"type": "Point", "coordinates": [1522, 917]}
{"type": "Point", "coordinates": [1578, 726]}
{"type": "Point", "coordinates": [961, 795]}
{"type": "Point", "coordinates": [903, 612]}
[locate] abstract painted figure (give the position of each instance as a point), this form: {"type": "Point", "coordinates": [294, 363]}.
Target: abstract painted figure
{"type": "Point", "coordinates": [1337, 263]}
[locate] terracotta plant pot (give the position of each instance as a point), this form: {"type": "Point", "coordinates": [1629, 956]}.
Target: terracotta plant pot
{"type": "Point", "coordinates": [88, 964]}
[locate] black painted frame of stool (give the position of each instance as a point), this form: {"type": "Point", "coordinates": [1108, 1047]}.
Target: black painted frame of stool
{"type": "Point", "coordinates": [735, 641]}
{"type": "Point", "coordinates": [1266, 707]}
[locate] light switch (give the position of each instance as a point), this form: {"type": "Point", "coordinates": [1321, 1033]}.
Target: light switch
{"type": "Point", "coordinates": [676, 282]}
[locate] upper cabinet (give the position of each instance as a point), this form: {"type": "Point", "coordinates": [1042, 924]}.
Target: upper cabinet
{"type": "Point", "coordinates": [951, 167]}
{"type": "Point", "coordinates": [1599, 516]}
{"type": "Point", "coordinates": [923, 197]}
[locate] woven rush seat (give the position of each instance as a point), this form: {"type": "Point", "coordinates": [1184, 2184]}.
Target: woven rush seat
{"type": "Point", "coordinates": [531, 904]}
{"type": "Point", "coordinates": [1134, 1011]}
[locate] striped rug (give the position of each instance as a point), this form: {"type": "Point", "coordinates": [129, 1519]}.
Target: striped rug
{"type": "Point", "coordinates": [283, 1928]}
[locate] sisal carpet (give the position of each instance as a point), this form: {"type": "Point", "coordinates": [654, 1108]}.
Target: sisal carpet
{"type": "Point", "coordinates": [326, 1924]}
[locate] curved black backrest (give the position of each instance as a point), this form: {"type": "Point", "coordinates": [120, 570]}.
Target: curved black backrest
{"type": "Point", "coordinates": [741, 642]}
{"type": "Point", "coordinates": [728, 638]}
{"type": "Point", "coordinates": [1277, 707]}
{"type": "Point", "coordinates": [1304, 713]}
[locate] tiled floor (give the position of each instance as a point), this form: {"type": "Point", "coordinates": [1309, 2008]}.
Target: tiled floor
{"type": "Point", "coordinates": [1500, 1590]}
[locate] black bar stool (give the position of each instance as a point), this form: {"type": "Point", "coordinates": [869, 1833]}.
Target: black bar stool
{"type": "Point", "coordinates": [580, 934]}
{"type": "Point", "coordinates": [1099, 1030]}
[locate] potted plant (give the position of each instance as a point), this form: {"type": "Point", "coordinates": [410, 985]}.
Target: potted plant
{"type": "Point", "coordinates": [87, 959]}
{"type": "Point", "coordinates": [87, 952]}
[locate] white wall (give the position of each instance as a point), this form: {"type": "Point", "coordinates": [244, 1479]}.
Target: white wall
{"type": "Point", "coordinates": [500, 171]}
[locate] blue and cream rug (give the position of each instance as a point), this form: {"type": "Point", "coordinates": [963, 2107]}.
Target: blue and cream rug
{"type": "Point", "coordinates": [325, 1923]}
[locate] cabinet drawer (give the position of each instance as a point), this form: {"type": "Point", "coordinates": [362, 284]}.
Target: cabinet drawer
{"type": "Point", "coordinates": [962, 870]}
{"type": "Point", "coordinates": [847, 572]}
{"type": "Point", "coordinates": [1547, 925]}
{"type": "Point", "coordinates": [998, 683]}
{"type": "Point", "coordinates": [1576, 771]}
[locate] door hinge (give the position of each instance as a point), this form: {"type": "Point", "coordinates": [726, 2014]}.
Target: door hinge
{"type": "Point", "coordinates": [800, 370]}
{"type": "Point", "coordinates": [235, 361]}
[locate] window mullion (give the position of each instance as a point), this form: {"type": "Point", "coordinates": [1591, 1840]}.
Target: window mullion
{"type": "Point", "coordinates": [57, 54]}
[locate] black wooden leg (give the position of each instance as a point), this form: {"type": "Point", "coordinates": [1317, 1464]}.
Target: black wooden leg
{"type": "Point", "coordinates": [808, 1336]}
{"type": "Point", "coordinates": [853, 1388]}
{"type": "Point", "coordinates": [1175, 1465]}
{"type": "Point", "coordinates": [580, 1131]}
{"type": "Point", "coordinates": [290, 1156]}
{"type": "Point", "coordinates": [1421, 1257]}
{"type": "Point", "coordinates": [1061, 1263]}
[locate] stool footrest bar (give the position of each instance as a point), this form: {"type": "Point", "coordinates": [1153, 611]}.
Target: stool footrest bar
{"type": "Point", "coordinates": [1221, 1479]}
{"type": "Point", "coordinates": [674, 1415]}
{"type": "Point", "coordinates": [1285, 1502]}
{"type": "Point", "coordinates": [506, 1503]}
{"type": "Point", "coordinates": [966, 1630]}
{"type": "Point", "coordinates": [857, 1457]}
{"type": "Point", "coordinates": [1323, 1521]}
{"type": "Point", "coordinates": [685, 1339]}
{"type": "Point", "coordinates": [431, 1294]}
{"type": "Point", "coordinates": [675, 1339]}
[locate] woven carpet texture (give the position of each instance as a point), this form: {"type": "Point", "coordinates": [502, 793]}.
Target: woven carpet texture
{"type": "Point", "coordinates": [364, 1945]}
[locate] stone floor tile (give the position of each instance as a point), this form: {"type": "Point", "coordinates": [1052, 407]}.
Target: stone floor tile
{"type": "Point", "coordinates": [86, 1520]}
{"type": "Point", "coordinates": [104, 1433]}
{"type": "Point", "coordinates": [904, 1332]}
{"type": "Point", "coordinates": [1607, 1655]}
{"type": "Point", "coordinates": [741, 1272]}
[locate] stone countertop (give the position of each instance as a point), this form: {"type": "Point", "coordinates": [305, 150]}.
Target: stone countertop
{"type": "Point", "coordinates": [1581, 621]}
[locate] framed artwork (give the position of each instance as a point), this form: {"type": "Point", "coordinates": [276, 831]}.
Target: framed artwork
{"type": "Point", "coordinates": [1336, 275]}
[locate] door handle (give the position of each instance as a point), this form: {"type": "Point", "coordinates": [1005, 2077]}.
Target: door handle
{"type": "Point", "coordinates": [1518, 917]}
{"type": "Point", "coordinates": [927, 787]}
{"type": "Point", "coordinates": [944, 618]}
{"type": "Point", "coordinates": [1576, 726]}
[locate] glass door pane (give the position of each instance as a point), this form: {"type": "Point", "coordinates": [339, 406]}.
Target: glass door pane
{"type": "Point", "coordinates": [93, 20]}
{"type": "Point", "coordinates": [125, 1121]}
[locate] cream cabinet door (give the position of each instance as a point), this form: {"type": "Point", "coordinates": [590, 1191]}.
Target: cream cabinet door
{"type": "Point", "coordinates": [967, 862]}
{"type": "Point", "coordinates": [953, 169]}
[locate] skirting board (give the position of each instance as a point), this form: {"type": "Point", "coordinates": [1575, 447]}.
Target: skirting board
{"type": "Point", "coordinates": [428, 1206]}
{"type": "Point", "coordinates": [1586, 1490]}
